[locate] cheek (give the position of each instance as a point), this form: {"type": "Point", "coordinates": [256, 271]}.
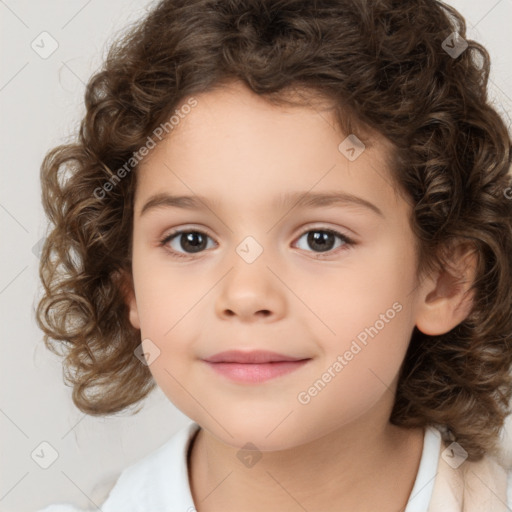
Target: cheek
{"type": "Point", "coordinates": [359, 370]}
{"type": "Point", "coordinates": [369, 351]}
{"type": "Point", "coordinates": [165, 296]}
{"type": "Point", "coordinates": [368, 310]}
{"type": "Point", "coordinates": [166, 305]}
{"type": "Point", "coordinates": [364, 302]}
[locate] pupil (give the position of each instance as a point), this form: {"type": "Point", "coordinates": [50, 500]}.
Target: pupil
{"type": "Point", "coordinates": [196, 241]}
{"type": "Point", "coordinates": [323, 240]}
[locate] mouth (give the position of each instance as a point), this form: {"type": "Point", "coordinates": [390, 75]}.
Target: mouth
{"type": "Point", "coordinates": [255, 366]}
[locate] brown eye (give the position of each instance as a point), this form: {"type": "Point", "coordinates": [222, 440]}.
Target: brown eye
{"type": "Point", "coordinates": [192, 241]}
{"type": "Point", "coordinates": [324, 240]}
{"type": "Point", "coordinates": [320, 241]}
{"type": "Point", "coordinates": [186, 242]}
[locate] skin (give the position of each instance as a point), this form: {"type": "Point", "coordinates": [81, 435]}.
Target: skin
{"type": "Point", "coordinates": [236, 149]}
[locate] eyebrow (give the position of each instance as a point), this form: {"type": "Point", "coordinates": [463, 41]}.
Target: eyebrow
{"type": "Point", "coordinates": [289, 199]}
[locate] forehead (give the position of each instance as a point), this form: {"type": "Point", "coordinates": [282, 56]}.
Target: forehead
{"type": "Point", "coordinates": [234, 146]}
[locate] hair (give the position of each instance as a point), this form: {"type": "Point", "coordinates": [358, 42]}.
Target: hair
{"type": "Point", "coordinates": [382, 67]}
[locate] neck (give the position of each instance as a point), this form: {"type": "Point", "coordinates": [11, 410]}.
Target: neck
{"type": "Point", "coordinates": [364, 465]}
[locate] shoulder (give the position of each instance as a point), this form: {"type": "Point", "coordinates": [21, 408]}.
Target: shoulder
{"type": "Point", "coordinates": [158, 481]}
{"type": "Point", "coordinates": [461, 484]}
{"type": "Point", "coordinates": [97, 495]}
{"type": "Point", "coordinates": [481, 485]}
{"type": "Point", "coordinates": [61, 507]}
{"type": "Point", "coordinates": [509, 489]}
{"type": "Point", "coordinates": [495, 481]}
{"type": "Point", "coordinates": [144, 485]}
{"type": "Point", "coordinates": [488, 482]}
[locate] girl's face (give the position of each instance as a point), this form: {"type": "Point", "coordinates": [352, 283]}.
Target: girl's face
{"type": "Point", "coordinates": [266, 264]}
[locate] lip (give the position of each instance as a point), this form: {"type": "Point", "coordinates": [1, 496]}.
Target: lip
{"type": "Point", "coordinates": [255, 366]}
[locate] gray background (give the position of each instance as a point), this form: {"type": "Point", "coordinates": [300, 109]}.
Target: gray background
{"type": "Point", "coordinates": [41, 106]}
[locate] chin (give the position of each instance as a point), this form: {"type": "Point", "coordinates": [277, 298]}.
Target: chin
{"type": "Point", "coordinates": [266, 433]}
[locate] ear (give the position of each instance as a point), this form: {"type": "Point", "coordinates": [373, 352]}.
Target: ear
{"type": "Point", "coordinates": [446, 299]}
{"type": "Point", "coordinates": [128, 293]}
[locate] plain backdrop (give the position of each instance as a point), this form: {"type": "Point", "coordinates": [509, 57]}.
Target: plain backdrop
{"type": "Point", "coordinates": [41, 101]}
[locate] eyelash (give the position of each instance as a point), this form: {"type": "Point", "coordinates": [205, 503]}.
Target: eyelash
{"type": "Point", "coordinates": [348, 242]}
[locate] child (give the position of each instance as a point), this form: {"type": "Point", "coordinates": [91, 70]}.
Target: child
{"type": "Point", "coordinates": [368, 373]}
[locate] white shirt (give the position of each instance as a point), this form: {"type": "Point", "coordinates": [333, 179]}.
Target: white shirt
{"type": "Point", "coordinates": [159, 481]}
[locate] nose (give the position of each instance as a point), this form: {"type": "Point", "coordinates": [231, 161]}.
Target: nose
{"type": "Point", "coordinates": [251, 292]}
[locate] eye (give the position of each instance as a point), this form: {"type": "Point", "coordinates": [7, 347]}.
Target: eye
{"type": "Point", "coordinates": [184, 243]}
{"type": "Point", "coordinates": [324, 240]}
{"type": "Point", "coordinates": [192, 241]}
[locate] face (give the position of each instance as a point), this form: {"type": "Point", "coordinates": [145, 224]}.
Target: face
{"type": "Point", "coordinates": [255, 263]}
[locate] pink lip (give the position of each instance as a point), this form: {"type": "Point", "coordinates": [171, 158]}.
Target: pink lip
{"type": "Point", "coordinates": [255, 366]}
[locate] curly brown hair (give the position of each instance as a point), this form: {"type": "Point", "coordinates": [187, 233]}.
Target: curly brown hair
{"type": "Point", "coordinates": [383, 65]}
